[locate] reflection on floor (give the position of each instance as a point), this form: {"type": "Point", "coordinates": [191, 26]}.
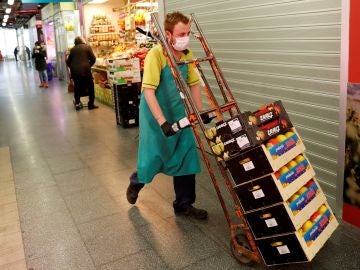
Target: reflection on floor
{"type": "Point", "coordinates": [71, 171]}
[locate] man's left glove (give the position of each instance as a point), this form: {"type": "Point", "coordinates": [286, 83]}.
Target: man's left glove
{"type": "Point", "coordinates": [167, 129]}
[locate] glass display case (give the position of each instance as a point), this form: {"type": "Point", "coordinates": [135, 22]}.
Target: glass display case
{"type": "Point", "coordinates": [67, 27]}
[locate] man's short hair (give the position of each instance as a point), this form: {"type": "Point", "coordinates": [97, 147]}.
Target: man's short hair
{"type": "Point", "coordinates": [174, 18]}
{"type": "Point", "coordinates": [79, 40]}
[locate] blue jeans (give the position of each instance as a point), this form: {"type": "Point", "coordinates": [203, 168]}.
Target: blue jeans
{"type": "Point", "coordinates": [43, 76]}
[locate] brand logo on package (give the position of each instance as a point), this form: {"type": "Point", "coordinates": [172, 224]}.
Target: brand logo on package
{"type": "Point", "coordinates": [273, 130]}
{"type": "Point", "coordinates": [266, 116]}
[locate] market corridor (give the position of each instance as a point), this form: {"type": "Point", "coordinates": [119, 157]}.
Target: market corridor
{"type": "Point", "coordinates": [70, 170]}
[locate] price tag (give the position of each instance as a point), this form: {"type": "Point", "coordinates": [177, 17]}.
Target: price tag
{"type": "Point", "coordinates": [242, 141]}
{"type": "Point", "coordinates": [258, 194]}
{"type": "Point", "coordinates": [234, 125]}
{"type": "Point", "coordinates": [271, 222]}
{"type": "Point", "coordinates": [283, 250]}
{"type": "Point", "coordinates": [248, 166]}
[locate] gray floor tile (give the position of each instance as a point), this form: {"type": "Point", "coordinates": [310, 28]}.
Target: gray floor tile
{"type": "Point", "coordinates": [39, 202]}
{"type": "Point", "coordinates": [49, 234]}
{"type": "Point", "coordinates": [64, 163]}
{"type": "Point", "coordinates": [90, 204]}
{"type": "Point", "coordinates": [222, 261]}
{"type": "Point", "coordinates": [179, 243]}
{"type": "Point", "coordinates": [64, 260]}
{"type": "Point", "coordinates": [75, 181]}
{"type": "Point", "coordinates": [143, 260]}
{"type": "Point", "coordinates": [111, 238]}
{"type": "Point", "coordinates": [34, 178]}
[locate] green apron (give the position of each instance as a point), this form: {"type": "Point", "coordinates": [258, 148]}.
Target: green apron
{"type": "Point", "coordinates": [175, 155]}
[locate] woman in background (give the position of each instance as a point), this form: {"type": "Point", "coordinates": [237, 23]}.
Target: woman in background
{"type": "Point", "coordinates": [39, 54]}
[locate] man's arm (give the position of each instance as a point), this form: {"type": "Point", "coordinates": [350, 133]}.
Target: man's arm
{"type": "Point", "coordinates": [154, 106]}
{"type": "Point", "coordinates": [196, 95]}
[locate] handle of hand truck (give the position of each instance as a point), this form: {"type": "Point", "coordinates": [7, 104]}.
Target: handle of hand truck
{"type": "Point", "coordinates": [205, 117]}
{"type": "Point", "coordinates": [181, 124]}
{"type": "Point", "coordinates": [186, 121]}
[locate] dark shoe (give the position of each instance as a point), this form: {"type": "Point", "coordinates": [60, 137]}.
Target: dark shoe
{"type": "Point", "coordinates": [194, 213]}
{"type": "Point", "coordinates": [132, 192]}
{"type": "Point", "coordinates": [92, 107]}
{"type": "Point", "coordinates": [78, 106]}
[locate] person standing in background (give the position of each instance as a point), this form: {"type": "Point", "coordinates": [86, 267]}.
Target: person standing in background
{"type": "Point", "coordinates": [16, 51]}
{"type": "Point", "coordinates": [39, 54]}
{"type": "Point", "coordinates": [80, 60]}
{"type": "Point", "coordinates": [27, 52]}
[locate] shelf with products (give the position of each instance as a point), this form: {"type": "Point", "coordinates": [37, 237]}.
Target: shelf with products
{"type": "Point", "coordinates": [99, 29]}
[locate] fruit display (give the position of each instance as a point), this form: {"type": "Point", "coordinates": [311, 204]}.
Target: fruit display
{"type": "Point", "coordinates": [140, 17]}
{"type": "Point", "coordinates": [69, 26]}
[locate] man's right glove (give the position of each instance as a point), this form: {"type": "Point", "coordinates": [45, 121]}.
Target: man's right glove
{"type": "Point", "coordinates": [167, 129]}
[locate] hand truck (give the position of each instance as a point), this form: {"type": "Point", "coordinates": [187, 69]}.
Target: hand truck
{"type": "Point", "coordinates": [242, 241]}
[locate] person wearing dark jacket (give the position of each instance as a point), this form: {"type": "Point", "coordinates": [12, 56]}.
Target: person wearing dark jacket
{"type": "Point", "coordinates": [80, 60]}
{"type": "Point", "coordinates": [39, 54]}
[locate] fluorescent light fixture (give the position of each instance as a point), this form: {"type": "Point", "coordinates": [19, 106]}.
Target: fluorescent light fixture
{"type": "Point", "coordinates": [8, 10]}
{"type": "Point", "coordinates": [6, 16]}
{"type": "Point", "coordinates": [11, 2]}
{"type": "Point", "coordinates": [97, 1]}
{"type": "Point", "coordinates": [3, 24]}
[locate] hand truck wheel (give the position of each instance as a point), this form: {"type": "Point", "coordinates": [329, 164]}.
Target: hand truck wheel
{"type": "Point", "coordinates": [240, 257]}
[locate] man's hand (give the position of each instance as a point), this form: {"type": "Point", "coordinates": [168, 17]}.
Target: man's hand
{"type": "Point", "coordinates": [206, 118]}
{"type": "Point", "coordinates": [167, 129]}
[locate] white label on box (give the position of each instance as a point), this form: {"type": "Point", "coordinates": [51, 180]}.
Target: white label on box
{"type": "Point", "coordinates": [258, 194]}
{"type": "Point", "coordinates": [234, 125]}
{"type": "Point", "coordinates": [283, 250]}
{"type": "Point", "coordinates": [271, 222]}
{"type": "Point", "coordinates": [248, 166]}
{"type": "Point", "coordinates": [242, 141]}
{"type": "Point", "coordinates": [131, 121]}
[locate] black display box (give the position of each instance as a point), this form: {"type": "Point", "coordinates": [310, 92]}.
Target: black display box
{"type": "Point", "coordinates": [126, 104]}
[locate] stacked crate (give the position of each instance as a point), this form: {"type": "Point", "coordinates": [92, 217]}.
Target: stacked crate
{"type": "Point", "coordinates": [124, 75]}
{"type": "Point", "coordinates": [282, 201]}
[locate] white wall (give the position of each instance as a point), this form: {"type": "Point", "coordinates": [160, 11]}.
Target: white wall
{"type": "Point", "coordinates": [8, 42]}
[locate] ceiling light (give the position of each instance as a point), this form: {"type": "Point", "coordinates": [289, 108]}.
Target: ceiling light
{"type": "Point", "coordinates": [8, 10]}
{"type": "Point", "coordinates": [10, 2]}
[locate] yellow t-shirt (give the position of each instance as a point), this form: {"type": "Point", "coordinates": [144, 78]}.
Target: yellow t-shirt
{"type": "Point", "coordinates": [155, 61]}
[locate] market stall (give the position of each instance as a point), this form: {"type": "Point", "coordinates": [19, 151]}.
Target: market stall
{"type": "Point", "coordinates": [116, 31]}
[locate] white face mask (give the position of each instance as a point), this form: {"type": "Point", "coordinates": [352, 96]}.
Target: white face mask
{"type": "Point", "coordinates": [181, 43]}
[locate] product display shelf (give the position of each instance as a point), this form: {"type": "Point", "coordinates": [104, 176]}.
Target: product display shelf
{"type": "Point", "coordinates": [103, 93]}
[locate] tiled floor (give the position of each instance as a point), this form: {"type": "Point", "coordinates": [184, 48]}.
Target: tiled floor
{"type": "Point", "coordinates": [71, 171]}
{"type": "Point", "coordinates": [11, 245]}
